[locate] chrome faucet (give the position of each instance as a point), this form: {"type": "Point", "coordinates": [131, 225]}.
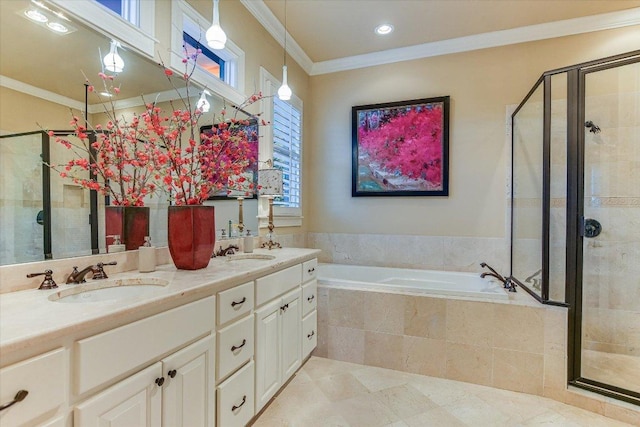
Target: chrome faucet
{"type": "Point", "coordinates": [97, 271]}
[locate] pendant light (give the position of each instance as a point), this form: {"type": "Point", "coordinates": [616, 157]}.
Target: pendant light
{"type": "Point", "coordinates": [216, 38]}
{"type": "Point", "coordinates": [112, 61]}
{"type": "Point", "coordinates": [203, 103]}
{"type": "Point", "coordinates": [284, 93]}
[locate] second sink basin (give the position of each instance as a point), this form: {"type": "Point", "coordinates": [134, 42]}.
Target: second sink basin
{"type": "Point", "coordinates": [109, 290]}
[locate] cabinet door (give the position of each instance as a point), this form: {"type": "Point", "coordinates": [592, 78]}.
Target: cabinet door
{"type": "Point", "coordinates": [291, 325]}
{"type": "Point", "coordinates": [136, 401]}
{"type": "Point", "coordinates": [267, 352]}
{"type": "Point", "coordinates": [188, 392]}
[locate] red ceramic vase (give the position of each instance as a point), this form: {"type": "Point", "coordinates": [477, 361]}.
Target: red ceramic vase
{"type": "Point", "coordinates": [192, 236]}
{"type": "Point", "coordinates": [131, 223]}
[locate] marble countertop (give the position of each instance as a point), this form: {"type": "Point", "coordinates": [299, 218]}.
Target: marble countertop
{"type": "Point", "coordinates": [29, 317]}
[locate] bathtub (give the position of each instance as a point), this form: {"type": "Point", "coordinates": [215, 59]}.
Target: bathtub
{"type": "Point", "coordinates": [403, 280]}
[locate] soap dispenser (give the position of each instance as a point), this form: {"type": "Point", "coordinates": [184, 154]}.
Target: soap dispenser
{"type": "Point", "coordinates": [116, 246]}
{"type": "Point", "coordinates": [248, 242]}
{"type": "Point", "coordinates": [146, 256]}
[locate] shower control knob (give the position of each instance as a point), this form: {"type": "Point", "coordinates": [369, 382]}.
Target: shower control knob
{"type": "Point", "coordinates": [591, 228]}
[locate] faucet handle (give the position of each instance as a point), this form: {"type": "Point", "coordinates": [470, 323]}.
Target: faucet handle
{"type": "Point", "coordinates": [48, 282]}
{"type": "Point", "coordinates": [100, 273]}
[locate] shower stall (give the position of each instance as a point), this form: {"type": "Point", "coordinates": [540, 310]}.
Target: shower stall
{"type": "Point", "coordinates": [575, 223]}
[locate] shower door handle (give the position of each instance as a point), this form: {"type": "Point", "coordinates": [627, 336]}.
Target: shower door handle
{"type": "Point", "coordinates": [590, 228]}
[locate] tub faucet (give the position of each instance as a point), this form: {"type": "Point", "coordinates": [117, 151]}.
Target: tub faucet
{"type": "Point", "coordinates": [506, 282]}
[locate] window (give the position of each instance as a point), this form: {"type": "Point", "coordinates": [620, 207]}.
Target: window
{"type": "Point", "coordinates": [282, 142]}
{"type": "Point", "coordinates": [220, 71]}
{"type": "Point", "coordinates": [127, 9]}
{"type": "Point", "coordinates": [207, 60]}
{"type": "Point", "coordinates": [286, 150]}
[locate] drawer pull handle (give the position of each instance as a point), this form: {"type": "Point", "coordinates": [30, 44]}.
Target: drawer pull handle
{"type": "Point", "coordinates": [236, 347]}
{"type": "Point", "coordinates": [234, 303]}
{"type": "Point", "coordinates": [20, 395]}
{"type": "Point", "coordinates": [311, 334]}
{"type": "Point", "coordinates": [311, 298]}
{"type": "Point", "coordinates": [311, 270]}
{"type": "Point", "coordinates": [172, 373]}
{"type": "Point", "coordinates": [244, 400]}
{"type": "Point", "coordinates": [160, 381]}
{"type": "Point", "coordinates": [284, 307]}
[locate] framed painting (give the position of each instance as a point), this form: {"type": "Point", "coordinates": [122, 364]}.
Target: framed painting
{"type": "Point", "coordinates": [401, 148]}
{"type": "Point", "coordinates": [251, 169]}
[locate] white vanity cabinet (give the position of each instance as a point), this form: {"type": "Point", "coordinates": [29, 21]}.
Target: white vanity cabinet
{"type": "Point", "coordinates": [177, 390]}
{"type": "Point", "coordinates": [44, 379]}
{"type": "Point", "coordinates": [278, 353]}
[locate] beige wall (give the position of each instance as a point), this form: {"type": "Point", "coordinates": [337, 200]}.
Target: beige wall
{"type": "Point", "coordinates": [481, 84]}
{"type": "Point", "coordinates": [20, 112]}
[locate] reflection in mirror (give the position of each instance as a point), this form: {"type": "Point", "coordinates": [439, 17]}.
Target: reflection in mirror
{"type": "Point", "coordinates": [42, 78]}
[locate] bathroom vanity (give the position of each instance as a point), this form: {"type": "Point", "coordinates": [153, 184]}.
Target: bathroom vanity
{"type": "Point", "coordinates": [192, 348]}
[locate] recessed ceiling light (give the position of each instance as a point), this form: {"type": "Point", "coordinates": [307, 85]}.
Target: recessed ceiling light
{"type": "Point", "coordinates": [57, 27]}
{"type": "Point", "coordinates": [34, 15]}
{"type": "Point", "coordinates": [384, 29]}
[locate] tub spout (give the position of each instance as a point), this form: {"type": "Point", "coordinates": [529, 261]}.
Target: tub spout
{"type": "Point", "coordinates": [506, 282]}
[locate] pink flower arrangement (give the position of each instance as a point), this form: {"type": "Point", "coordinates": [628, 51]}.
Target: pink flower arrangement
{"type": "Point", "coordinates": [117, 159]}
{"type": "Point", "coordinates": [194, 165]}
{"type": "Point", "coordinates": [131, 159]}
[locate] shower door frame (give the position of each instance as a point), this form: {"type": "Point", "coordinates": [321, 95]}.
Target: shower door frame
{"type": "Point", "coordinates": [576, 93]}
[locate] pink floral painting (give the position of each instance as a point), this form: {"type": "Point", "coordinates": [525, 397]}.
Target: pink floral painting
{"type": "Point", "coordinates": [401, 148]}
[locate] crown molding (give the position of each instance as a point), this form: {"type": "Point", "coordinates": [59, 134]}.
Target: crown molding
{"type": "Point", "coordinates": [567, 27]}
{"type": "Point", "coordinates": [273, 26]}
{"type": "Point", "coordinates": [37, 92]}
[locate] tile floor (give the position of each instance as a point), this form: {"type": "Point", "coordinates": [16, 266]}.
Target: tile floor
{"type": "Point", "coordinates": [326, 392]}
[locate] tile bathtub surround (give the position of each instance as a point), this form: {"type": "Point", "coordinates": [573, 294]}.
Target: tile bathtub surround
{"type": "Point", "coordinates": [421, 252]}
{"type": "Point", "coordinates": [326, 392]}
{"type": "Point", "coordinates": [508, 345]}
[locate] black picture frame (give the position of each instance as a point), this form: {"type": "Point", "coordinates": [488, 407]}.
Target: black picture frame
{"type": "Point", "coordinates": [401, 148]}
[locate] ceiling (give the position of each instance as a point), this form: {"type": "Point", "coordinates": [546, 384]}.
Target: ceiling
{"type": "Point", "coordinates": [327, 30]}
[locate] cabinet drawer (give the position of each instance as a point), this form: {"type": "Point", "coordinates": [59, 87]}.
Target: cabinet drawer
{"type": "Point", "coordinates": [110, 354]}
{"type": "Point", "coordinates": [235, 303]}
{"type": "Point", "coordinates": [309, 297]}
{"type": "Point", "coordinates": [235, 398]}
{"type": "Point", "coordinates": [44, 377]}
{"type": "Point", "coordinates": [310, 270]}
{"type": "Point", "coordinates": [235, 346]}
{"type": "Point", "coordinates": [309, 334]}
{"type": "Point", "coordinates": [269, 287]}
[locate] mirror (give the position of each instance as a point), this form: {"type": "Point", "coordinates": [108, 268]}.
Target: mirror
{"type": "Point", "coordinates": [42, 78]}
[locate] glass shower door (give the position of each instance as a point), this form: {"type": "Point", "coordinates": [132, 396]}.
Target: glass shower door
{"type": "Point", "coordinates": [610, 339]}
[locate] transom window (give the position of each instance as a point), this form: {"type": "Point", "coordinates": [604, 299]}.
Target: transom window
{"type": "Point", "coordinates": [127, 9]}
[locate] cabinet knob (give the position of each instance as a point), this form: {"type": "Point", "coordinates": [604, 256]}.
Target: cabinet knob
{"type": "Point", "coordinates": [172, 373]}
{"type": "Point", "coordinates": [236, 347]}
{"type": "Point", "coordinates": [19, 397]}
{"type": "Point", "coordinates": [311, 298]}
{"type": "Point", "coordinates": [244, 400]}
{"type": "Point", "coordinates": [234, 303]}
{"type": "Point", "coordinates": [160, 381]}
{"type": "Point", "coordinates": [309, 336]}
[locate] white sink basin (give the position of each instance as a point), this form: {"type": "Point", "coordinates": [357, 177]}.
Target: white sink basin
{"type": "Point", "coordinates": [109, 290]}
{"type": "Point", "coordinates": [239, 257]}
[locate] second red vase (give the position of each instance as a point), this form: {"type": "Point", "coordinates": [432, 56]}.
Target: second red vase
{"type": "Point", "coordinates": [192, 236]}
